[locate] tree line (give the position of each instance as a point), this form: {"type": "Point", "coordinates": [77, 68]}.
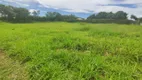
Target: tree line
{"type": "Point", "coordinates": [104, 15]}
{"type": "Point", "coordinates": [15, 14]}
{"type": "Point", "coordinates": [110, 17]}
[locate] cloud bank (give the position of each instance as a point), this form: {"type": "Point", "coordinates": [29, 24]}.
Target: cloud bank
{"type": "Point", "coordinates": [129, 6]}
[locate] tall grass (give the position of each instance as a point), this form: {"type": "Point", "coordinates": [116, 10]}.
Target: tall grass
{"type": "Point", "coordinates": [75, 51]}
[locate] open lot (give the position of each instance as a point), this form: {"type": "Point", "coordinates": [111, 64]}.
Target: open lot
{"type": "Point", "coordinates": [72, 51]}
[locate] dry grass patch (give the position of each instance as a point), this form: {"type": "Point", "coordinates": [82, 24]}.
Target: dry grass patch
{"type": "Point", "coordinates": [11, 70]}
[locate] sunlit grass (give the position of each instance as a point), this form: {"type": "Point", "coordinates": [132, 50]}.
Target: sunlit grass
{"type": "Point", "coordinates": [75, 51]}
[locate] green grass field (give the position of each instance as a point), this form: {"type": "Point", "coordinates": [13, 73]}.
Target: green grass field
{"type": "Point", "coordinates": [72, 51]}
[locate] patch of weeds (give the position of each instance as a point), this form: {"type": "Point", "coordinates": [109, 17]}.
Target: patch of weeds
{"type": "Point", "coordinates": [85, 28]}
{"type": "Point", "coordinates": [86, 67]}
{"type": "Point", "coordinates": [104, 33]}
{"type": "Point", "coordinates": [71, 43]}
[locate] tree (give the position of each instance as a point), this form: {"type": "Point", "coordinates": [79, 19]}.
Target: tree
{"type": "Point", "coordinates": [140, 19]}
{"type": "Point", "coordinates": [134, 17]}
{"type": "Point", "coordinates": [53, 16]}
{"type": "Point", "coordinates": [110, 15]}
{"type": "Point", "coordinates": [36, 13]}
{"type": "Point", "coordinates": [93, 16]}
{"type": "Point", "coordinates": [22, 14]}
{"type": "Point", "coordinates": [2, 7]}
{"type": "Point", "coordinates": [7, 12]}
{"type": "Point", "coordinates": [101, 15]}
{"type": "Point", "coordinates": [120, 15]}
{"type": "Point", "coordinates": [69, 18]}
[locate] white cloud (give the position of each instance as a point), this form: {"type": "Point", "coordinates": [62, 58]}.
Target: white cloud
{"type": "Point", "coordinates": [19, 0]}
{"type": "Point", "coordinates": [32, 10]}
{"type": "Point", "coordinates": [94, 5]}
{"type": "Point", "coordinates": [21, 4]}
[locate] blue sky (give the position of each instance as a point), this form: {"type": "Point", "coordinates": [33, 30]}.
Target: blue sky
{"type": "Point", "coordinates": [81, 8]}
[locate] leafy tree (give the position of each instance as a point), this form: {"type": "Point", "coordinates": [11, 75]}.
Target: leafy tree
{"type": "Point", "coordinates": [69, 18]}
{"type": "Point", "coordinates": [2, 7]}
{"type": "Point", "coordinates": [101, 15]}
{"type": "Point", "coordinates": [22, 14]}
{"type": "Point", "coordinates": [93, 16]}
{"type": "Point", "coordinates": [120, 15]}
{"type": "Point", "coordinates": [137, 20]}
{"type": "Point", "coordinates": [13, 14]}
{"type": "Point", "coordinates": [36, 13]}
{"type": "Point", "coordinates": [134, 17]}
{"type": "Point", "coordinates": [7, 12]}
{"type": "Point", "coordinates": [110, 15]}
{"type": "Point", "coordinates": [52, 16]}
{"type": "Point", "coordinates": [140, 19]}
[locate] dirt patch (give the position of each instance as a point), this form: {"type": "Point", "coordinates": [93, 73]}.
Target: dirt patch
{"type": "Point", "coordinates": [11, 70]}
